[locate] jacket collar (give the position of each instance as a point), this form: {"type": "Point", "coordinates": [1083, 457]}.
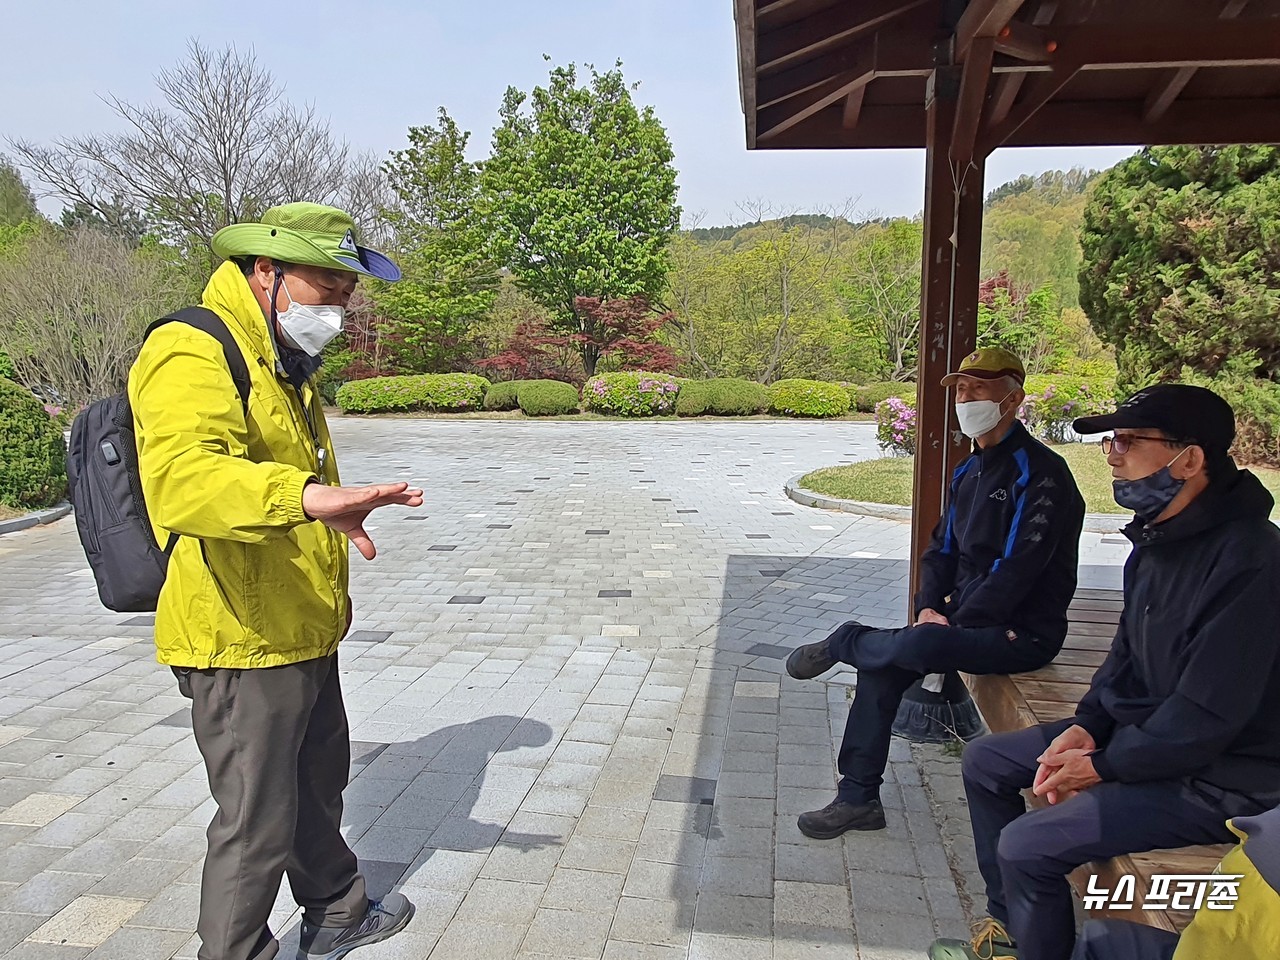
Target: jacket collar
{"type": "Point", "coordinates": [1015, 439]}
{"type": "Point", "coordinates": [228, 295]}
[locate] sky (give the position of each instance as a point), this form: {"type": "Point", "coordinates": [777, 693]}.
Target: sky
{"type": "Point", "coordinates": [374, 68]}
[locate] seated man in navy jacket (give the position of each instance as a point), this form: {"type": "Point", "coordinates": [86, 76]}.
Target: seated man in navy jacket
{"type": "Point", "coordinates": [1180, 728]}
{"type": "Point", "coordinates": [994, 589]}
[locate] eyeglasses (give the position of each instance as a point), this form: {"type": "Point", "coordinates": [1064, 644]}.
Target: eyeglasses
{"type": "Point", "coordinates": [1122, 445]}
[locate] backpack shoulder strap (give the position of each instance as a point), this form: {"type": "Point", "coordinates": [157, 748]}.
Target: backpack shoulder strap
{"type": "Point", "coordinates": [204, 319]}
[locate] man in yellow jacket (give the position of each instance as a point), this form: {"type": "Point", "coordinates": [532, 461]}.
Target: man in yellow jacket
{"type": "Point", "coordinates": [255, 600]}
{"type": "Point", "coordinates": [1249, 929]}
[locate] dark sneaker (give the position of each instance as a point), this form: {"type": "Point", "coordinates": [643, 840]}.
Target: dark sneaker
{"type": "Point", "coordinates": [384, 918]}
{"type": "Point", "coordinates": [840, 817]}
{"type": "Point", "coordinates": [811, 660]}
{"type": "Point", "coordinates": [990, 941]}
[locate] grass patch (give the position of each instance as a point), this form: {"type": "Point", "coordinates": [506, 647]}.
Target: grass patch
{"type": "Point", "coordinates": [888, 480]}
{"type": "Point", "coordinates": [8, 513]}
{"type": "Point", "coordinates": [872, 481]}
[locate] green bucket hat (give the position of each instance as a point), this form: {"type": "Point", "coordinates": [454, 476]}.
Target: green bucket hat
{"type": "Point", "coordinates": [309, 233]}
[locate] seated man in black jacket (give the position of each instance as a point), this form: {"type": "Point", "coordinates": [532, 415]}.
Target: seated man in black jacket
{"type": "Point", "coordinates": [994, 589]}
{"type": "Point", "coordinates": [1180, 729]}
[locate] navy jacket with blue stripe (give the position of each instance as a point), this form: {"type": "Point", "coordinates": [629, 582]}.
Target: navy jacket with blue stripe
{"type": "Point", "coordinates": [1006, 549]}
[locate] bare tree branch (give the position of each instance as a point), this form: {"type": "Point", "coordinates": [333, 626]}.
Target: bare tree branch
{"type": "Point", "coordinates": [224, 146]}
{"type": "Point", "coordinates": [73, 311]}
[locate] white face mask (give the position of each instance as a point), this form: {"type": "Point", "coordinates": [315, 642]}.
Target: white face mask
{"type": "Point", "coordinates": [979, 417]}
{"type": "Point", "coordinates": [308, 327]}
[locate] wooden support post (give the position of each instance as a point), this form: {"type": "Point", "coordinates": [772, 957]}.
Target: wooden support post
{"type": "Point", "coordinates": [948, 310]}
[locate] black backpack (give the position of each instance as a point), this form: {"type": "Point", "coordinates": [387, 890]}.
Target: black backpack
{"type": "Point", "coordinates": [106, 487]}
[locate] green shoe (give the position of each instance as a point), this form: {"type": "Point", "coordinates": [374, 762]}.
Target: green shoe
{"type": "Point", "coordinates": [990, 941]}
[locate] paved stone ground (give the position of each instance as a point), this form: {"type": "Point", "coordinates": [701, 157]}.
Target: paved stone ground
{"type": "Point", "coordinates": [573, 736]}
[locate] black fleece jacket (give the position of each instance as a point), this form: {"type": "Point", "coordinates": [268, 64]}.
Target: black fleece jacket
{"type": "Point", "coordinates": [1005, 551]}
{"type": "Point", "coordinates": [1191, 687]}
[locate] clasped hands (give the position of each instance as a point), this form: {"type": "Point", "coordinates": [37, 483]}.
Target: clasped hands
{"type": "Point", "coordinates": [1066, 766]}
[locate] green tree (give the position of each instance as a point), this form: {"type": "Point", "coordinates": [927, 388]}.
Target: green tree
{"type": "Point", "coordinates": [450, 280]}
{"type": "Point", "coordinates": [17, 204]}
{"type": "Point", "coordinates": [881, 290]}
{"type": "Point", "coordinates": [1025, 323]}
{"type": "Point", "coordinates": [581, 192]}
{"type": "Point", "coordinates": [115, 217]}
{"type": "Point", "coordinates": [1182, 262]}
{"type": "Point", "coordinates": [1031, 229]}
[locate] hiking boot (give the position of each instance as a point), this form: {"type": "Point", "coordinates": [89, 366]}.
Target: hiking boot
{"type": "Point", "coordinates": [384, 918]}
{"type": "Point", "coordinates": [990, 941]}
{"type": "Point", "coordinates": [839, 817]}
{"type": "Point", "coordinates": [811, 660]}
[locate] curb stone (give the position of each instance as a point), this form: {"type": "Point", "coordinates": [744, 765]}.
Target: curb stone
{"type": "Point", "coordinates": [1093, 522]}
{"type": "Point", "coordinates": [39, 518]}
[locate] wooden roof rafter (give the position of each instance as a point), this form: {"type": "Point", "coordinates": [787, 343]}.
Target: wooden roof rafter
{"type": "Point", "coordinates": [835, 73]}
{"type": "Point", "coordinates": [824, 30]}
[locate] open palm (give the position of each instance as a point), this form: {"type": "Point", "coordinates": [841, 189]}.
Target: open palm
{"type": "Point", "coordinates": [345, 509]}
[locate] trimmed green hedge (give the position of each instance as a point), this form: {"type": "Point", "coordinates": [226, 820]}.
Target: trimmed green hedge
{"type": "Point", "coordinates": [547, 398]}
{"type": "Point", "coordinates": [808, 398]}
{"type": "Point", "coordinates": [502, 395]}
{"type": "Point", "coordinates": [446, 392]}
{"type": "Point", "coordinates": [869, 396]}
{"type": "Point", "coordinates": [631, 394]}
{"type": "Point", "coordinates": [724, 397]}
{"type": "Point", "coordinates": [33, 456]}
{"type": "Point", "coordinates": [694, 398]}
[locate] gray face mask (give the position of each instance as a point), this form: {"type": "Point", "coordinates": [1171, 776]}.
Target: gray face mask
{"type": "Point", "coordinates": [1150, 496]}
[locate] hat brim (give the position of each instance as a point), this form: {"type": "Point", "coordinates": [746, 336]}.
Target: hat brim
{"type": "Point", "coordinates": [1120, 420]}
{"type": "Point", "coordinates": [952, 378]}
{"type": "Point", "coordinates": [281, 243]}
{"type": "Point", "coordinates": [373, 263]}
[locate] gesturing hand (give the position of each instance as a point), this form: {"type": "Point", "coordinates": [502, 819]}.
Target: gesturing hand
{"type": "Point", "coordinates": [345, 508]}
{"type": "Point", "coordinates": [929, 615]}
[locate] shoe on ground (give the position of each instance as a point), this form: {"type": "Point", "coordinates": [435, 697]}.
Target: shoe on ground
{"type": "Point", "coordinates": [811, 660]}
{"type": "Point", "coordinates": [384, 918]}
{"type": "Point", "coordinates": [990, 941]}
{"type": "Point", "coordinates": [839, 817]}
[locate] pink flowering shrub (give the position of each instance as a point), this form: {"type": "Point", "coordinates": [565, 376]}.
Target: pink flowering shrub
{"type": "Point", "coordinates": [896, 426]}
{"type": "Point", "coordinates": [1054, 401]}
{"type": "Point", "coordinates": [631, 394]}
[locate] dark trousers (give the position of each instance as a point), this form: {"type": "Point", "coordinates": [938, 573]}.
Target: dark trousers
{"type": "Point", "coordinates": [890, 661]}
{"type": "Point", "coordinates": [1025, 857]}
{"type": "Point", "coordinates": [276, 747]}
{"type": "Point", "coordinates": [1122, 940]}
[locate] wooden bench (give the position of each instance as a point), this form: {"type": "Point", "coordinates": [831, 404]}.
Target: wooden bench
{"type": "Point", "coordinates": [1022, 700]}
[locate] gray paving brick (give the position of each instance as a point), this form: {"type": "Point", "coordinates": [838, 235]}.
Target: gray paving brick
{"type": "Point", "coordinates": [524, 738]}
{"type": "Point", "coordinates": [657, 922]}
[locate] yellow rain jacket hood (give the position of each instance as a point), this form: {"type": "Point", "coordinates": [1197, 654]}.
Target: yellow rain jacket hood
{"type": "Point", "coordinates": [251, 582]}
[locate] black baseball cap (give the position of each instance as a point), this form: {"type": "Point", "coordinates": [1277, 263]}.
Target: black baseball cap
{"type": "Point", "coordinates": [1179, 410]}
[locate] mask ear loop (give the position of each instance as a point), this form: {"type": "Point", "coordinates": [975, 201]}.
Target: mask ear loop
{"type": "Point", "coordinates": [1177, 458]}
{"type": "Point", "coordinates": [271, 327]}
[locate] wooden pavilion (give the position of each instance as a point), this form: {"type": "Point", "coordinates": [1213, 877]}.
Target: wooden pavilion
{"type": "Point", "coordinates": [961, 79]}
